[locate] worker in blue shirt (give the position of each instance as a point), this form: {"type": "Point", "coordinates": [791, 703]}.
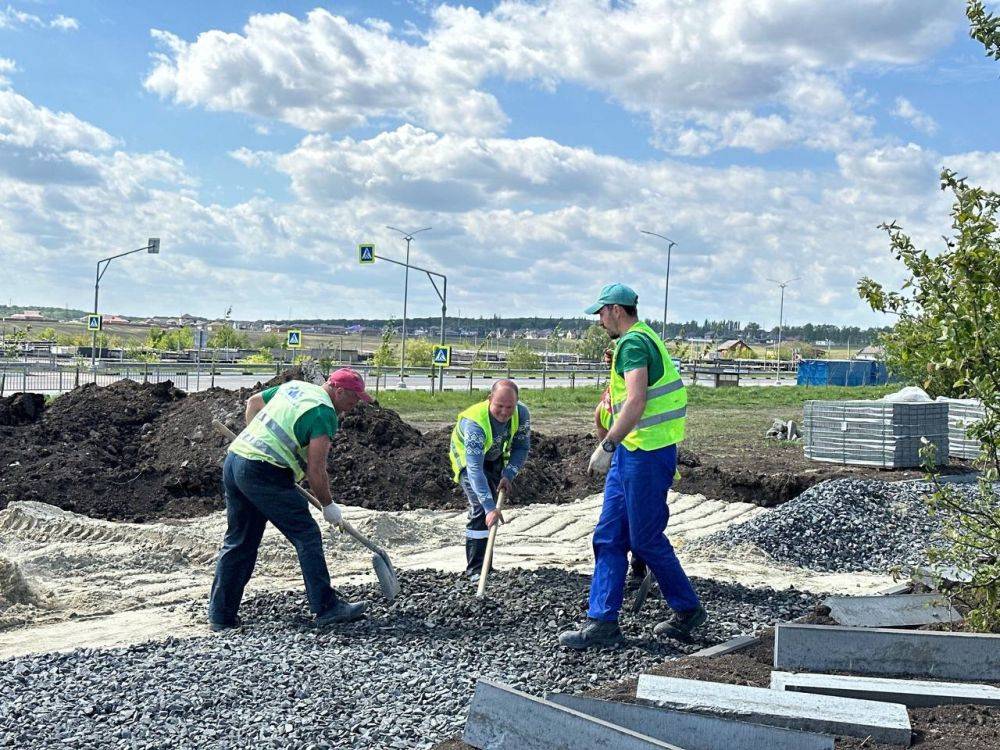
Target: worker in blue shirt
{"type": "Point", "coordinates": [489, 445]}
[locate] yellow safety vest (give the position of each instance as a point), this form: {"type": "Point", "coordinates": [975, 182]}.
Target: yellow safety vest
{"type": "Point", "coordinates": [480, 414]}
{"type": "Point", "coordinates": [270, 436]}
{"type": "Point", "coordinates": [662, 421]}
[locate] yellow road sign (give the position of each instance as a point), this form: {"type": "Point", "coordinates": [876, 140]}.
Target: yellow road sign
{"type": "Point", "coordinates": [441, 356]}
{"type": "Point", "coordinates": [294, 339]}
{"type": "Point", "coordinates": [95, 322]}
{"type": "Point", "coordinates": [366, 253]}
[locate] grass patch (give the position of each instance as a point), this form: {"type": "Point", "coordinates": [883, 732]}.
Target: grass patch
{"type": "Point", "coordinates": [713, 406]}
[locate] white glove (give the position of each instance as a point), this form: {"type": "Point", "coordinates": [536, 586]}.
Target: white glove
{"type": "Point", "coordinates": [332, 514]}
{"type": "Point", "coordinates": [600, 459]}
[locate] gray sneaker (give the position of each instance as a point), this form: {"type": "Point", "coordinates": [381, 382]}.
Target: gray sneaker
{"type": "Point", "coordinates": [682, 624]}
{"type": "Point", "coordinates": [593, 634]}
{"type": "Point", "coordinates": [341, 611]}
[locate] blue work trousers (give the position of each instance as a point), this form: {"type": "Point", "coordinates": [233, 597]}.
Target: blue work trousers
{"type": "Point", "coordinates": [634, 517]}
{"type": "Point", "coordinates": [258, 492]}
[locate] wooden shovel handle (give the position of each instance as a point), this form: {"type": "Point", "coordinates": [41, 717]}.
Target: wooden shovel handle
{"type": "Point", "coordinates": [488, 559]}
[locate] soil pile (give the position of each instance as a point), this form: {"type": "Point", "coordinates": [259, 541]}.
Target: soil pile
{"type": "Point", "coordinates": [21, 408]}
{"type": "Point", "coordinates": [139, 452]}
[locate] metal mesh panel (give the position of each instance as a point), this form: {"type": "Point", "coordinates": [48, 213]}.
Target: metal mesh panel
{"type": "Point", "coordinates": [874, 433]}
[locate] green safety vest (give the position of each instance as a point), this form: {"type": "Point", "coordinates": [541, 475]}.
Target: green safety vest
{"type": "Point", "coordinates": [270, 436]}
{"type": "Point", "coordinates": [662, 421]}
{"type": "Point", "coordinates": [480, 414]}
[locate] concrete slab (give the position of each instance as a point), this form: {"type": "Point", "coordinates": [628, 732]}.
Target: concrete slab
{"type": "Point", "coordinates": [738, 643]}
{"type": "Point", "coordinates": [911, 693]}
{"type": "Point", "coordinates": [899, 588]}
{"type": "Point", "coordinates": [501, 718]}
{"type": "Point", "coordinates": [971, 657]}
{"type": "Point", "coordinates": [891, 611]}
{"type": "Point", "coordinates": [693, 731]}
{"type": "Point", "coordinates": [883, 722]}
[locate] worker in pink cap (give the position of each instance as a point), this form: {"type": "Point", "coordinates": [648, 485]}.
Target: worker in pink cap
{"type": "Point", "coordinates": [286, 440]}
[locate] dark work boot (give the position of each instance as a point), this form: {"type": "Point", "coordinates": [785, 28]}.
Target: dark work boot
{"type": "Point", "coordinates": [682, 624]}
{"type": "Point", "coordinates": [218, 627]}
{"type": "Point", "coordinates": [341, 611]}
{"type": "Point", "coordinates": [593, 634]}
{"type": "Point", "coordinates": [475, 553]}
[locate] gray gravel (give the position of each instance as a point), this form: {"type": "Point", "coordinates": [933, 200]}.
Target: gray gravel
{"type": "Point", "coordinates": [400, 679]}
{"type": "Point", "coordinates": [844, 525]}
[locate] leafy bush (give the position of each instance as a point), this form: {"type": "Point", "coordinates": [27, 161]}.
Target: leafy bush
{"type": "Point", "coordinates": [520, 357]}
{"type": "Point", "coordinates": [419, 353]}
{"type": "Point", "coordinates": [947, 337]}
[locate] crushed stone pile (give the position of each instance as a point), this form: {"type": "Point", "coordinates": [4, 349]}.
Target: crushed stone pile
{"type": "Point", "coordinates": [845, 525]}
{"type": "Point", "coordinates": [140, 452]}
{"type": "Point", "coordinates": [402, 678]}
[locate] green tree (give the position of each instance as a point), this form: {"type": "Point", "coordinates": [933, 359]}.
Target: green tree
{"type": "Point", "coordinates": [521, 357]}
{"type": "Point", "coordinates": [48, 334]}
{"type": "Point", "coordinates": [949, 325]}
{"type": "Point", "coordinates": [384, 354]}
{"type": "Point", "coordinates": [228, 337]}
{"type": "Point", "coordinates": [419, 353]}
{"type": "Point", "coordinates": [984, 27]}
{"type": "Point", "coordinates": [595, 340]}
{"type": "Point", "coordinates": [271, 341]}
{"type": "Point", "coordinates": [261, 357]}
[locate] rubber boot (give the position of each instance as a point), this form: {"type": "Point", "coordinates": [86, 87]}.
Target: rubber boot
{"type": "Point", "coordinates": [593, 634]}
{"type": "Point", "coordinates": [475, 553]}
{"type": "Point", "coordinates": [682, 624]}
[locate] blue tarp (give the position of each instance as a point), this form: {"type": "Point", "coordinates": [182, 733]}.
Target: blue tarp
{"type": "Point", "coordinates": [849, 372]}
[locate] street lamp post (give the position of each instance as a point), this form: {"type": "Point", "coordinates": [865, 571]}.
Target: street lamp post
{"type": "Point", "coordinates": [408, 236]}
{"type": "Point", "coordinates": [152, 247]}
{"type": "Point", "coordinates": [666, 286]}
{"type": "Point", "coordinates": [781, 318]}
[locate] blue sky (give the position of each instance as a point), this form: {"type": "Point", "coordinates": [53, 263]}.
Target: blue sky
{"type": "Point", "coordinates": [537, 138]}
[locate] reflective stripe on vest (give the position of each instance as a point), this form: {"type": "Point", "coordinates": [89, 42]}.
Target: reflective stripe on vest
{"type": "Point", "coordinates": [270, 436]}
{"type": "Point", "coordinates": [480, 414]}
{"type": "Point", "coordinates": [662, 421]}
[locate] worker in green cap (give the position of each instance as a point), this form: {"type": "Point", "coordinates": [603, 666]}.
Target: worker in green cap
{"type": "Point", "coordinates": [639, 456]}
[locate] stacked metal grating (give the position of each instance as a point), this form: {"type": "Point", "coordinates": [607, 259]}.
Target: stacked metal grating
{"type": "Point", "coordinates": [962, 414]}
{"type": "Point", "coordinates": [874, 433]}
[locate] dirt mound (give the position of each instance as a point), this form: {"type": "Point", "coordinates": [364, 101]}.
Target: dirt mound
{"type": "Point", "coordinates": [139, 452]}
{"type": "Point", "coordinates": [21, 408]}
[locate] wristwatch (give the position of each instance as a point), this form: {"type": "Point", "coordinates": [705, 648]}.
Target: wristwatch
{"type": "Point", "coordinates": [608, 446]}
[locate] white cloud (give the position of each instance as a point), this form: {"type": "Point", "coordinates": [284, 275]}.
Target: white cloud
{"type": "Point", "coordinates": [905, 110]}
{"type": "Point", "coordinates": [24, 124]}
{"type": "Point", "coordinates": [704, 73]}
{"type": "Point", "coordinates": [11, 17]}
{"type": "Point", "coordinates": [64, 23]}
{"type": "Point", "coordinates": [6, 66]}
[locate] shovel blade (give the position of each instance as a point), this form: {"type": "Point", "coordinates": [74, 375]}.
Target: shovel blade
{"type": "Point", "coordinates": [387, 579]}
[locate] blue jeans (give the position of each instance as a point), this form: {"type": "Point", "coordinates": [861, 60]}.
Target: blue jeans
{"type": "Point", "coordinates": [257, 492]}
{"type": "Point", "coordinates": [634, 517]}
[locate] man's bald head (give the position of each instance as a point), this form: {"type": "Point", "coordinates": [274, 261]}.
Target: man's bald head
{"type": "Point", "coordinates": [503, 400]}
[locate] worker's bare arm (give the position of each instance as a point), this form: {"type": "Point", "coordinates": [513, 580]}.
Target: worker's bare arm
{"type": "Point", "coordinates": [254, 404]}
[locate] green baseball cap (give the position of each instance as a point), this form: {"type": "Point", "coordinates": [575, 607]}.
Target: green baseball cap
{"type": "Point", "coordinates": [614, 294]}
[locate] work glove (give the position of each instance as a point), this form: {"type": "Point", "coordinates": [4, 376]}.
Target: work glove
{"type": "Point", "coordinates": [332, 514]}
{"type": "Point", "coordinates": [600, 459]}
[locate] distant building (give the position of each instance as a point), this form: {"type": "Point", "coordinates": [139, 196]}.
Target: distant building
{"type": "Point", "coordinates": [872, 352]}
{"type": "Point", "coordinates": [31, 316]}
{"type": "Point", "coordinates": [732, 349]}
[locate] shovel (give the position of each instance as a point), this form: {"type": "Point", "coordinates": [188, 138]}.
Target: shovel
{"type": "Point", "coordinates": [488, 559]}
{"type": "Point", "coordinates": [386, 574]}
{"type": "Point", "coordinates": [644, 587]}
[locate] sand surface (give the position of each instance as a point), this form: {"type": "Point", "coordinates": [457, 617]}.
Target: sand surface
{"type": "Point", "coordinates": [73, 581]}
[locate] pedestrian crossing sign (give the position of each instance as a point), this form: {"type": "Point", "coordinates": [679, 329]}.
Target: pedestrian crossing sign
{"type": "Point", "coordinates": [442, 356]}
{"type": "Point", "coordinates": [95, 322]}
{"type": "Point", "coordinates": [294, 339]}
{"type": "Point", "coordinates": [366, 253]}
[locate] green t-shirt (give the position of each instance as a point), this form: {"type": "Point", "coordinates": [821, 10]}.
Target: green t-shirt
{"type": "Point", "coordinates": [635, 350]}
{"type": "Point", "coordinates": [320, 420]}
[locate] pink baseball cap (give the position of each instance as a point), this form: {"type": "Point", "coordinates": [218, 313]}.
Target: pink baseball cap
{"type": "Point", "coordinates": [349, 380]}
